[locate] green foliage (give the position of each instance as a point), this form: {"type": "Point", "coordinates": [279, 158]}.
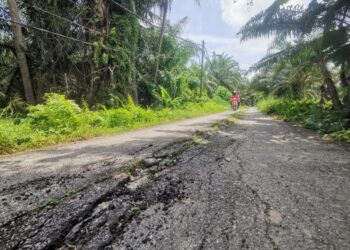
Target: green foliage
{"type": "Point", "coordinates": [343, 135]}
{"type": "Point", "coordinates": [307, 113]}
{"type": "Point", "coordinates": [59, 120]}
{"type": "Point", "coordinates": [135, 210]}
{"type": "Point", "coordinates": [300, 69]}
{"type": "Point", "coordinates": [57, 115]}
{"type": "Point", "coordinates": [223, 93]}
{"type": "Point", "coordinates": [15, 108]}
{"type": "Point", "coordinates": [166, 101]}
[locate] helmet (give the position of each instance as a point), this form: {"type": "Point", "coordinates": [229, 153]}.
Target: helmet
{"type": "Point", "coordinates": [235, 91]}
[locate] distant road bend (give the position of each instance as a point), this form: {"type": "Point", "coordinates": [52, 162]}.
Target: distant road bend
{"type": "Point", "coordinates": [256, 184]}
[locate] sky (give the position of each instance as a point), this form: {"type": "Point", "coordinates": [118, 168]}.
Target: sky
{"type": "Point", "coordinates": [217, 22]}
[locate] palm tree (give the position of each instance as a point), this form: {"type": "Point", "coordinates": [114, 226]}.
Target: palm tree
{"type": "Point", "coordinates": [164, 6]}
{"type": "Point", "coordinates": [224, 70]}
{"type": "Point", "coordinates": [295, 21]}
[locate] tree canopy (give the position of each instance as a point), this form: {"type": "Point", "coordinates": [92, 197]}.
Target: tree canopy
{"type": "Point", "coordinates": [99, 51]}
{"type": "Point", "coordinates": [312, 46]}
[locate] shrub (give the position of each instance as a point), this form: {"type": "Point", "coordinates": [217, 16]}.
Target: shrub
{"type": "Point", "coordinates": [56, 116]}
{"type": "Point", "coordinates": [119, 118]}
{"type": "Point", "coordinates": [59, 119]}
{"type": "Point", "coordinates": [223, 93]}
{"type": "Point", "coordinates": [308, 113]}
{"type": "Point", "coordinates": [343, 135]}
{"type": "Point", "coordinates": [6, 140]}
{"type": "Point", "coordinates": [15, 108]}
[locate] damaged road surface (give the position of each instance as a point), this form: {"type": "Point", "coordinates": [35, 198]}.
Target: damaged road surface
{"type": "Point", "coordinates": [249, 184]}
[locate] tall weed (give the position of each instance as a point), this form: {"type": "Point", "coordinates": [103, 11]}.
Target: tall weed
{"type": "Point", "coordinates": [56, 116]}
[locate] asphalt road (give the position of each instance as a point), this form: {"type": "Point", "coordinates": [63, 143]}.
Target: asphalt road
{"type": "Point", "coordinates": [90, 158]}
{"type": "Point", "coordinates": [258, 184]}
{"type": "Point", "coordinates": [73, 157]}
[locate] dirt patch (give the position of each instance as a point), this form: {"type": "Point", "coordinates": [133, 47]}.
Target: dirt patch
{"type": "Point", "coordinates": [271, 216]}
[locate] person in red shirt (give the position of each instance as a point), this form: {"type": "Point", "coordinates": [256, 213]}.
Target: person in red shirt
{"type": "Point", "coordinates": [235, 100]}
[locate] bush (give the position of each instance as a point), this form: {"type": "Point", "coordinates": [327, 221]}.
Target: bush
{"type": "Point", "coordinates": [59, 119]}
{"type": "Point", "coordinates": [223, 93]}
{"type": "Point", "coordinates": [6, 140]}
{"type": "Point", "coordinates": [56, 116]}
{"type": "Point", "coordinates": [308, 113]}
{"type": "Point", "coordinates": [343, 135]}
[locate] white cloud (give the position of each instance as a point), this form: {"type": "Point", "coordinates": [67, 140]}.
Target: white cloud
{"type": "Point", "coordinates": [210, 39]}
{"type": "Point", "coordinates": [237, 12]}
{"type": "Point", "coordinates": [233, 16]}
{"type": "Point", "coordinates": [246, 53]}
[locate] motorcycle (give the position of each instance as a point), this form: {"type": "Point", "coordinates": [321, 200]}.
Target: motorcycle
{"type": "Point", "coordinates": [234, 105]}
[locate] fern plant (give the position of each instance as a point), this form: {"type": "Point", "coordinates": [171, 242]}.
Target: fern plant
{"type": "Point", "coordinates": [56, 116]}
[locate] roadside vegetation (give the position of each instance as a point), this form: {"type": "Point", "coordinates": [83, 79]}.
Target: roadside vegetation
{"type": "Point", "coordinates": [305, 78]}
{"type": "Point", "coordinates": [101, 67]}
{"type": "Point", "coordinates": [309, 114]}
{"type": "Point", "coordinates": [61, 120]}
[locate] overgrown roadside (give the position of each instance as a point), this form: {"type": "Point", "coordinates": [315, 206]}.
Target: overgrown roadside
{"type": "Point", "coordinates": [60, 120]}
{"type": "Point", "coordinates": [309, 114]}
{"type": "Point", "coordinates": [239, 186]}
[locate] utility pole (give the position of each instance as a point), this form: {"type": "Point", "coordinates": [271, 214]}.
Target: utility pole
{"type": "Point", "coordinates": [202, 65]}
{"type": "Point", "coordinates": [20, 47]}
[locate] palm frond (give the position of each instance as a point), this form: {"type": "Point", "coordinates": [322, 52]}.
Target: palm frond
{"type": "Point", "coordinates": [277, 19]}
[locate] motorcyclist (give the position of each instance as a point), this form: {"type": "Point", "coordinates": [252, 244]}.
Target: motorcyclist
{"type": "Point", "coordinates": [235, 99]}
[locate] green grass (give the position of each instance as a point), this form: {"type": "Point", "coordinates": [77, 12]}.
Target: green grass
{"type": "Point", "coordinates": [309, 114]}
{"type": "Point", "coordinates": [60, 120]}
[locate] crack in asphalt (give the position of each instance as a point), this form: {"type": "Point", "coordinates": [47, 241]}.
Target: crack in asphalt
{"type": "Point", "coordinates": [237, 190]}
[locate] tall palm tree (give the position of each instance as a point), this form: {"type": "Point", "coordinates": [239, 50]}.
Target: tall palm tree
{"type": "Point", "coordinates": [331, 17]}
{"type": "Point", "coordinates": [224, 70]}
{"type": "Point", "coordinates": [164, 6]}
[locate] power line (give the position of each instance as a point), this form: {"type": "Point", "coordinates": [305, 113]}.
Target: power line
{"type": "Point", "coordinates": [97, 31]}
{"type": "Point", "coordinates": [1, 7]}
{"type": "Point", "coordinates": [54, 33]}
{"type": "Point", "coordinates": [149, 22]}
{"type": "Point", "coordinates": [45, 31]}
{"type": "Point", "coordinates": [68, 37]}
{"type": "Point", "coordinates": [134, 14]}
{"type": "Point", "coordinates": [75, 23]}
{"type": "Point", "coordinates": [63, 18]}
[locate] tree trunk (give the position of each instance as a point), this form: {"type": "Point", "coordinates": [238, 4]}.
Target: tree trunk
{"type": "Point", "coordinates": [165, 12]}
{"type": "Point", "coordinates": [332, 90]}
{"type": "Point", "coordinates": [20, 52]}
{"type": "Point", "coordinates": [132, 76]}
{"type": "Point", "coordinates": [346, 85]}
{"type": "Point", "coordinates": [324, 95]}
{"type": "Point", "coordinates": [101, 24]}
{"type": "Point", "coordinates": [90, 90]}
{"type": "Point", "coordinates": [101, 14]}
